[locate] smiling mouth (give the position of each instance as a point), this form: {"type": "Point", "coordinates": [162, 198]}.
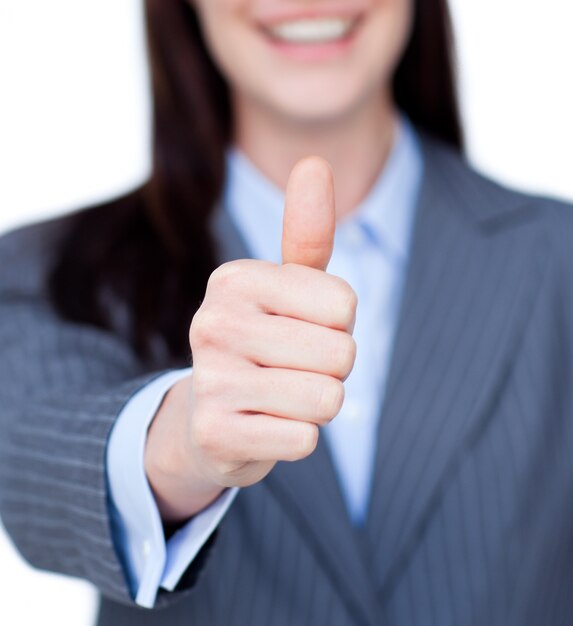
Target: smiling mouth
{"type": "Point", "coordinates": [309, 31]}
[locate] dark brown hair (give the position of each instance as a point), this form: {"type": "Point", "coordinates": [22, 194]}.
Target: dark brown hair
{"type": "Point", "coordinates": [148, 255]}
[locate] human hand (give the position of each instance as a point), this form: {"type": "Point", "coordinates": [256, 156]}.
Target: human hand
{"type": "Point", "coordinates": [271, 346]}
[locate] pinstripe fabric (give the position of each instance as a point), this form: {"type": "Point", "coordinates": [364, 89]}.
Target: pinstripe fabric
{"type": "Point", "coordinates": [61, 387]}
{"type": "Point", "coordinates": [471, 516]}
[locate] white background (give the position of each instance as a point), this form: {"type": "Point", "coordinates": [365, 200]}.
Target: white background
{"type": "Point", "coordinates": [74, 129]}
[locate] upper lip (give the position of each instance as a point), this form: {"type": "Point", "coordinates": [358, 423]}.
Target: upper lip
{"type": "Point", "coordinates": [292, 15]}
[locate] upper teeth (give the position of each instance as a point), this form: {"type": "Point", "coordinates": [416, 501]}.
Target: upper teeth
{"type": "Point", "coordinates": [312, 30]}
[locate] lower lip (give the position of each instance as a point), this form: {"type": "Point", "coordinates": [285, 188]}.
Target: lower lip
{"type": "Point", "coordinates": [314, 51]}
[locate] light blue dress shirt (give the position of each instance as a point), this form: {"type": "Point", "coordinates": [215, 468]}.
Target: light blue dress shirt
{"type": "Point", "coordinates": [370, 252]}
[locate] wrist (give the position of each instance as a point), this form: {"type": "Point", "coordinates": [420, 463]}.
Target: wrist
{"type": "Point", "coordinates": [179, 491]}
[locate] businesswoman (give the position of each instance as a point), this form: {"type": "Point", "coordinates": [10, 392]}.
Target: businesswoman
{"type": "Point", "coordinates": [377, 427]}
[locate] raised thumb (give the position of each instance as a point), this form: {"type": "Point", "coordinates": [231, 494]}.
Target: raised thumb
{"type": "Point", "coordinates": [309, 216]}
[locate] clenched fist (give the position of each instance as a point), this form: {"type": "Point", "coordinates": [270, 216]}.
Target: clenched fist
{"type": "Point", "coordinates": [271, 346]}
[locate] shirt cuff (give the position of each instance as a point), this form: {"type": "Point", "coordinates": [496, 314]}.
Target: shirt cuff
{"type": "Point", "coordinates": [185, 544]}
{"type": "Point", "coordinates": [150, 563]}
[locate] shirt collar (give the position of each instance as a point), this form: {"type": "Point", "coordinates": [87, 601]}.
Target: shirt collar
{"type": "Point", "coordinates": [386, 215]}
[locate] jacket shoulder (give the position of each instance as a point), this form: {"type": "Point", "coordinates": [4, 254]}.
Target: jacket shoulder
{"type": "Point", "coordinates": [27, 255]}
{"type": "Point", "coordinates": [494, 206]}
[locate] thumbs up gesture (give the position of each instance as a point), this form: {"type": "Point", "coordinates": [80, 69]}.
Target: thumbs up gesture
{"type": "Point", "coordinates": [271, 346]}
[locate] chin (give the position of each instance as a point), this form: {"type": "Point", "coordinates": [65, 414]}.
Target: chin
{"type": "Point", "coordinates": [328, 104]}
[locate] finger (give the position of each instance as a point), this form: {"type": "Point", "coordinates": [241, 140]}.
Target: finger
{"type": "Point", "coordinates": [312, 296]}
{"type": "Point", "coordinates": [293, 344]}
{"type": "Point", "coordinates": [258, 437]}
{"type": "Point", "coordinates": [309, 214]}
{"type": "Point", "coordinates": [289, 290]}
{"type": "Point", "coordinates": [303, 396]}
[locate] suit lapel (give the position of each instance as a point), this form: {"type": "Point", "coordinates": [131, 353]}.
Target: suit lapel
{"type": "Point", "coordinates": [309, 492]}
{"type": "Point", "coordinates": [229, 243]}
{"type": "Point", "coordinates": [468, 293]}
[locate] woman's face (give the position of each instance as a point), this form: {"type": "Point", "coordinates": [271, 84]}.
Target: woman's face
{"type": "Point", "coordinates": [306, 60]}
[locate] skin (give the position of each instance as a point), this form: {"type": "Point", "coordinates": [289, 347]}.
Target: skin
{"type": "Point", "coordinates": [341, 110]}
{"type": "Point", "coordinates": [272, 344]}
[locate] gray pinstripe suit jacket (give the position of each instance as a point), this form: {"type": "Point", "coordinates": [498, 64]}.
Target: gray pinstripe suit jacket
{"type": "Point", "coordinates": [471, 518]}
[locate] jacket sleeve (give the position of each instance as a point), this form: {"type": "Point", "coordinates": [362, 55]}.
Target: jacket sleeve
{"type": "Point", "coordinates": [62, 386]}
